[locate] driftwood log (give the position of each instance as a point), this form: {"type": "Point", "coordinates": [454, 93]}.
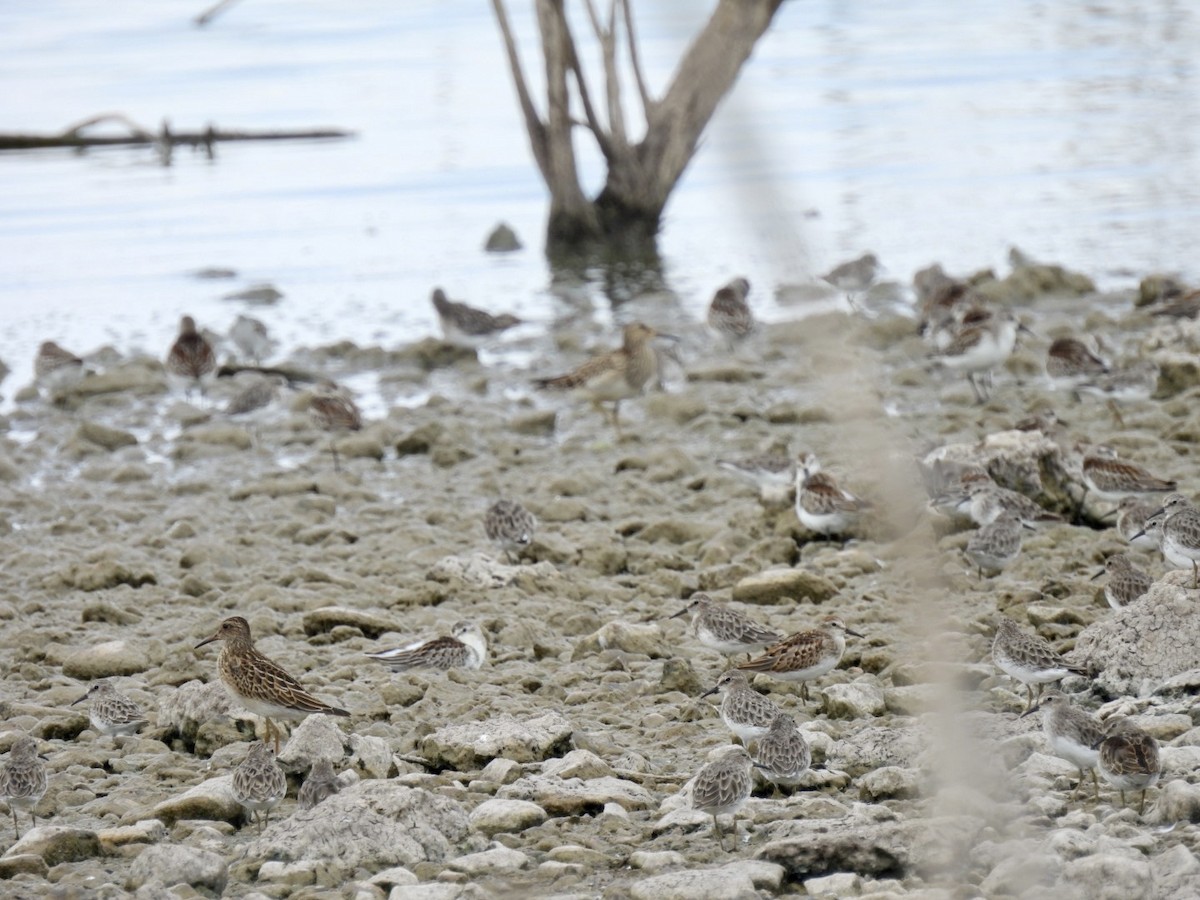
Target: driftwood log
{"type": "Point", "coordinates": [165, 139]}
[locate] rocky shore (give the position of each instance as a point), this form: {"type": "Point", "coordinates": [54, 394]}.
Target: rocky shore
{"type": "Point", "coordinates": [135, 520]}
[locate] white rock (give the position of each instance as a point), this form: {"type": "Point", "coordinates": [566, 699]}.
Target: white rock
{"type": "Point", "coordinates": [888, 782]}
{"type": "Point", "coordinates": [397, 876]}
{"type": "Point", "coordinates": [574, 797]}
{"type": "Point", "coordinates": [764, 875]}
{"type": "Point", "coordinates": [577, 764]}
{"type": "Point", "coordinates": [465, 746]}
{"type": "Point", "coordinates": [654, 860]}
{"type": "Point", "coordinates": [497, 859]}
{"type": "Point", "coordinates": [839, 884]}
{"type": "Point", "coordinates": [1110, 876]}
{"type": "Point", "coordinates": [496, 816]}
{"type": "Point", "coordinates": [165, 865]}
{"type": "Point", "coordinates": [856, 700]}
{"type": "Point", "coordinates": [57, 844]}
{"type": "Point", "coordinates": [695, 884]}
{"type": "Point", "coordinates": [316, 737]}
{"type": "Point", "coordinates": [211, 799]}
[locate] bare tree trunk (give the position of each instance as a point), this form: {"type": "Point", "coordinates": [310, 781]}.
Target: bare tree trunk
{"type": "Point", "coordinates": [628, 211]}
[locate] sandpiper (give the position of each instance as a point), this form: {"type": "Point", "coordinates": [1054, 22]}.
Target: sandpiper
{"type": "Point", "coordinates": [722, 787]}
{"type": "Point", "coordinates": [334, 410]}
{"type": "Point", "coordinates": [23, 780]}
{"type": "Point", "coordinates": [1069, 361]}
{"type": "Point", "coordinates": [463, 324]}
{"type": "Point", "coordinates": [55, 368]}
{"type": "Point", "coordinates": [464, 648]}
{"type": "Point", "coordinates": [854, 276]}
{"type": "Point", "coordinates": [978, 349]}
{"type": "Point", "coordinates": [1179, 524]}
{"type": "Point", "coordinates": [996, 544]}
{"type": "Point", "coordinates": [1029, 659]}
{"type": "Point", "coordinates": [729, 315]}
{"type": "Point", "coordinates": [1132, 513]}
{"type": "Point", "coordinates": [783, 755]}
{"type": "Point", "coordinates": [111, 712]}
{"type": "Point", "coordinates": [258, 393]}
{"type": "Point", "coordinates": [806, 655]}
{"type": "Point", "coordinates": [1072, 733]}
{"type": "Point", "coordinates": [772, 472]}
{"type": "Point", "coordinates": [320, 784]}
{"type": "Point", "coordinates": [258, 683]}
{"type": "Point", "coordinates": [510, 525]}
{"type": "Point", "coordinates": [745, 712]}
{"type": "Point", "coordinates": [720, 627]}
{"type": "Point", "coordinates": [191, 356]}
{"type": "Point", "coordinates": [250, 336]}
{"type": "Point", "coordinates": [259, 784]}
{"type": "Point", "coordinates": [1126, 583]}
{"type": "Point", "coordinates": [986, 501]}
{"type": "Point", "coordinates": [1112, 479]}
{"type": "Point", "coordinates": [1129, 759]}
{"type": "Point", "coordinates": [614, 376]}
{"type": "Point", "coordinates": [821, 504]}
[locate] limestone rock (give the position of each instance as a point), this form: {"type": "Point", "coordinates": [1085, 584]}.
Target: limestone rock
{"type": "Point", "coordinates": [325, 619]}
{"type": "Point", "coordinates": [496, 816]}
{"type": "Point", "coordinates": [379, 824]}
{"type": "Point", "coordinates": [114, 658]}
{"type": "Point", "coordinates": [502, 239]}
{"type": "Point", "coordinates": [857, 700]}
{"type": "Point", "coordinates": [822, 847]}
{"type": "Point", "coordinates": [628, 637]}
{"type": "Point", "coordinates": [575, 796]}
{"type": "Point", "coordinates": [777, 585]}
{"type": "Point", "coordinates": [1176, 873]}
{"type": "Point", "coordinates": [165, 865]}
{"type": "Point", "coordinates": [494, 860]}
{"type": "Point", "coordinates": [470, 745]}
{"type": "Point", "coordinates": [192, 704]}
{"type": "Point", "coordinates": [696, 884]}
{"type": "Point", "coordinates": [1140, 646]}
{"type": "Point", "coordinates": [23, 864]}
{"type": "Point", "coordinates": [147, 831]}
{"type": "Point", "coordinates": [105, 436]}
{"type": "Point", "coordinates": [871, 748]}
{"type": "Point", "coordinates": [211, 799]}
{"type": "Point", "coordinates": [889, 782]}
{"type": "Point", "coordinates": [1109, 876]}
{"type": "Point", "coordinates": [1178, 801]}
{"type": "Point", "coordinates": [1023, 875]}
{"type": "Point", "coordinates": [577, 764]}
{"type": "Point", "coordinates": [57, 844]}
{"type": "Point", "coordinates": [316, 737]}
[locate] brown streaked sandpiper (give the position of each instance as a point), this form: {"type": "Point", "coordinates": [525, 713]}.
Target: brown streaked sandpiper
{"type": "Point", "coordinates": [722, 787]}
{"type": "Point", "coordinates": [729, 315]}
{"type": "Point", "coordinates": [510, 525]}
{"type": "Point", "coordinates": [1072, 733]}
{"type": "Point", "coordinates": [783, 755]}
{"type": "Point", "coordinates": [806, 655]}
{"type": "Point", "coordinates": [1129, 759]}
{"type": "Point", "coordinates": [466, 325]}
{"type": "Point", "coordinates": [745, 712]}
{"type": "Point", "coordinates": [23, 781]}
{"type": "Point", "coordinates": [334, 410]}
{"type": "Point", "coordinates": [720, 627]}
{"type": "Point", "coordinates": [111, 712]}
{"type": "Point", "coordinates": [1029, 658]}
{"type": "Point", "coordinates": [464, 648]}
{"type": "Point", "coordinates": [822, 506]}
{"type": "Point", "coordinates": [320, 784]}
{"type": "Point", "coordinates": [259, 784]}
{"type": "Point", "coordinates": [259, 684]}
{"type": "Point", "coordinates": [1126, 582]}
{"type": "Point", "coordinates": [191, 356]}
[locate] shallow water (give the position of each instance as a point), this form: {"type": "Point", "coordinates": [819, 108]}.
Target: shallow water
{"type": "Point", "coordinates": [1067, 128]}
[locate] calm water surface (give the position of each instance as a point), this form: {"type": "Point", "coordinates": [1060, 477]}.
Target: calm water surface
{"type": "Point", "coordinates": [922, 131]}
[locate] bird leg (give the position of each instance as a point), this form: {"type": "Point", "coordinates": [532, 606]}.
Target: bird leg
{"type": "Point", "coordinates": [804, 691]}
{"type": "Point", "coordinates": [1095, 786]}
{"type": "Point", "coordinates": [1078, 785]}
{"type": "Point", "coordinates": [1142, 805]}
{"type": "Point", "coordinates": [1028, 697]}
{"type": "Point", "coordinates": [717, 831]}
{"type": "Point", "coordinates": [1122, 793]}
{"type": "Point", "coordinates": [333, 449]}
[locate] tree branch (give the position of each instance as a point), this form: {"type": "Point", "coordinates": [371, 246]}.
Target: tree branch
{"type": "Point", "coordinates": [612, 81]}
{"type": "Point", "coordinates": [534, 125]}
{"type": "Point", "coordinates": [589, 111]}
{"type": "Point", "coordinates": [648, 102]}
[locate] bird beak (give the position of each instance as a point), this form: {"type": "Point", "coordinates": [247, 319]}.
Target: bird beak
{"type": "Point", "coordinates": [1111, 512]}
{"type": "Point", "coordinates": [80, 700]}
{"type": "Point", "coordinates": [1030, 712]}
{"type": "Point", "coordinates": [855, 633]}
{"type": "Point", "coordinates": [207, 640]}
{"type": "Point", "coordinates": [666, 337]}
{"type": "Point", "coordinates": [1141, 533]}
{"type": "Point", "coordinates": [709, 692]}
{"type": "Point", "coordinates": [678, 614]}
{"type": "Point", "coordinates": [1021, 327]}
{"type": "Point", "coordinates": [1097, 575]}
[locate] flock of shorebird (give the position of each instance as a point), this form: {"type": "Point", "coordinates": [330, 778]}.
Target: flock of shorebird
{"type": "Point", "coordinates": [964, 335]}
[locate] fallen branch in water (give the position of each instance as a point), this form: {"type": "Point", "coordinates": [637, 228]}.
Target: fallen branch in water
{"type": "Point", "coordinates": [212, 12]}
{"type": "Point", "coordinates": [164, 138]}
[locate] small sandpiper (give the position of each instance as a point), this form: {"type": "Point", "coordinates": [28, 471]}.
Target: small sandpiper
{"type": "Point", "coordinates": [1126, 583]}
{"type": "Point", "coordinates": [250, 336]}
{"type": "Point", "coordinates": [23, 781]}
{"type": "Point", "coordinates": [822, 506]}
{"type": "Point", "coordinates": [1029, 659]}
{"type": "Point", "coordinates": [994, 546]}
{"type": "Point", "coordinates": [745, 712]}
{"type": "Point", "coordinates": [1112, 479]}
{"type": "Point", "coordinates": [1132, 512]}
{"type": "Point", "coordinates": [854, 276]}
{"type": "Point", "coordinates": [986, 501]}
{"type": "Point", "coordinates": [1069, 362]}
{"type": "Point", "coordinates": [55, 368]}
{"type": "Point", "coordinates": [806, 655]}
{"type": "Point", "coordinates": [1129, 759]}
{"type": "Point", "coordinates": [191, 357]}
{"type": "Point", "coordinates": [466, 325]}
{"type": "Point", "coordinates": [722, 787]}
{"type": "Point", "coordinates": [259, 784]}
{"type": "Point", "coordinates": [720, 627]}
{"type": "Point", "coordinates": [510, 525]}
{"type": "Point", "coordinates": [618, 375]}
{"type": "Point", "coordinates": [1072, 734]}
{"type": "Point", "coordinates": [111, 712]}
{"type": "Point", "coordinates": [979, 349]}
{"type": "Point", "coordinates": [774, 473]}
{"type": "Point", "coordinates": [334, 410]}
{"type": "Point", "coordinates": [729, 315]}
{"type": "Point", "coordinates": [258, 683]}
{"type": "Point", "coordinates": [464, 648]}
{"type": "Point", "coordinates": [1178, 523]}
{"type": "Point", "coordinates": [783, 755]}
{"type": "Point", "coordinates": [320, 784]}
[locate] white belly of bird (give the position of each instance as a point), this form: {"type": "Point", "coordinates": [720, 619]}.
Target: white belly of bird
{"type": "Point", "coordinates": [824, 523]}
{"type": "Point", "coordinates": [1081, 756]}
{"type": "Point", "coordinates": [746, 731]}
{"type": "Point", "coordinates": [1134, 781]}
{"type": "Point", "coordinates": [109, 728]}
{"type": "Point", "coordinates": [262, 805]}
{"type": "Point", "coordinates": [271, 710]}
{"type": "Point", "coordinates": [991, 351]}
{"type": "Point", "coordinates": [1178, 555]}
{"type": "Point", "coordinates": [1026, 675]}
{"type": "Point", "coordinates": [815, 671]}
{"type": "Point", "coordinates": [721, 645]}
